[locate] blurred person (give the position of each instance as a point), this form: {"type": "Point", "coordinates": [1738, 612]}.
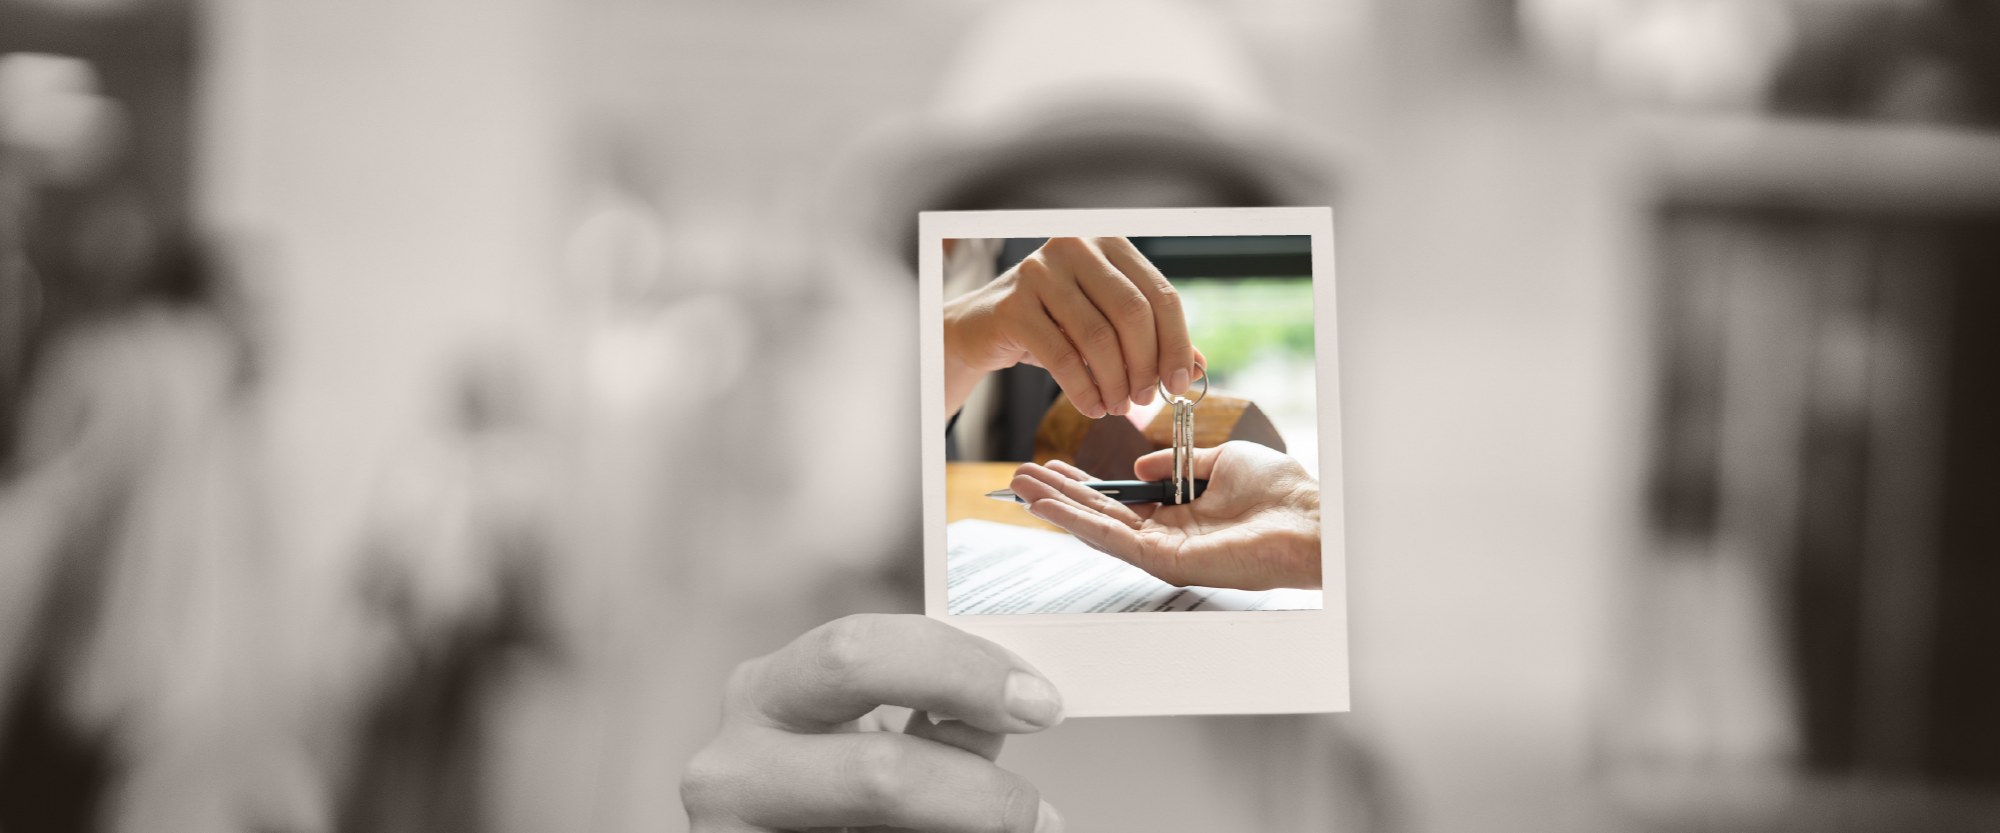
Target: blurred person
{"type": "Point", "coordinates": [138, 570]}
{"type": "Point", "coordinates": [1256, 526]}
{"type": "Point", "coordinates": [1047, 105]}
{"type": "Point", "coordinates": [453, 576]}
{"type": "Point", "coordinates": [57, 133]}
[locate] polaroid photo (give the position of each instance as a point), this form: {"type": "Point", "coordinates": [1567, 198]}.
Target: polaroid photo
{"type": "Point", "coordinates": [1171, 550]}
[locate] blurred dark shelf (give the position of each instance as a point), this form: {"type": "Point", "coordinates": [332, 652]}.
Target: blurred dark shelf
{"type": "Point", "coordinates": [1267, 256]}
{"type": "Point", "coordinates": [151, 31]}
{"type": "Point", "coordinates": [1753, 801]}
{"type": "Point", "coordinates": [1870, 167]}
{"type": "Point", "coordinates": [1227, 257]}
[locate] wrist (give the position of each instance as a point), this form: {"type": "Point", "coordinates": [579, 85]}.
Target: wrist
{"type": "Point", "coordinates": [967, 335]}
{"type": "Point", "coordinates": [1303, 545]}
{"type": "Point", "coordinates": [955, 323]}
{"type": "Point", "coordinates": [962, 369]}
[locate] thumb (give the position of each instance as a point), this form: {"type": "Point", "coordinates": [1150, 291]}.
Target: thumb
{"type": "Point", "coordinates": [1159, 465]}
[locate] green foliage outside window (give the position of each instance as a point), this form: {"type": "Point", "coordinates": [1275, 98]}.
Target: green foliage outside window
{"type": "Point", "coordinates": [1237, 323]}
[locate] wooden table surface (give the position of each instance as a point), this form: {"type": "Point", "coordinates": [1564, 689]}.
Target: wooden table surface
{"type": "Point", "coordinates": [965, 488]}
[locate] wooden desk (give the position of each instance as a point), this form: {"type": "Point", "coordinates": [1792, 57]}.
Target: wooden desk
{"type": "Point", "coordinates": [965, 488]}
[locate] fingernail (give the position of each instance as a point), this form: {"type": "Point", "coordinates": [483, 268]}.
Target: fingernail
{"type": "Point", "coordinates": [1178, 382]}
{"type": "Point", "coordinates": [1032, 700]}
{"type": "Point", "coordinates": [1145, 396]}
{"type": "Point", "coordinates": [1096, 411]}
{"type": "Point", "coordinates": [1047, 820]}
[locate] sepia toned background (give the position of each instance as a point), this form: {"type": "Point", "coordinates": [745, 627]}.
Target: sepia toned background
{"type": "Point", "coordinates": [411, 410]}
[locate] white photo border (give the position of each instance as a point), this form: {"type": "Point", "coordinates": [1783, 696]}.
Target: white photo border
{"type": "Point", "coordinates": [1125, 664]}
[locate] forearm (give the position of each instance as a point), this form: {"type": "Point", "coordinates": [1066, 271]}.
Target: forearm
{"type": "Point", "coordinates": [960, 374]}
{"type": "Point", "coordinates": [958, 384]}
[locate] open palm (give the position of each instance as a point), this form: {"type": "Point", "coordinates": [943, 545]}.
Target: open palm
{"type": "Point", "coordinates": [1255, 527]}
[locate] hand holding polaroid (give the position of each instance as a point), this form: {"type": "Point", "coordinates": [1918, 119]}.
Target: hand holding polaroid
{"type": "Point", "coordinates": [1046, 335]}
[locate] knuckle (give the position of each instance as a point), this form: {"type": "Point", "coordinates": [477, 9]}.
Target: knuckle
{"type": "Point", "coordinates": [1132, 305]}
{"type": "Point", "coordinates": [1066, 244]}
{"type": "Point", "coordinates": [1100, 334]}
{"type": "Point", "coordinates": [1032, 270]}
{"type": "Point", "coordinates": [843, 646]}
{"type": "Point", "coordinates": [1168, 296]}
{"type": "Point", "coordinates": [878, 772]}
{"type": "Point", "coordinates": [1062, 358]}
{"type": "Point", "coordinates": [705, 782]}
{"type": "Point", "coordinates": [741, 683]}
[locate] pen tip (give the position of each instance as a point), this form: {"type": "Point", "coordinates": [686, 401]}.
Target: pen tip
{"type": "Point", "coordinates": [1001, 494]}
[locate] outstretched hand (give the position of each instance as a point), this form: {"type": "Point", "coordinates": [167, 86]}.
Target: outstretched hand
{"type": "Point", "coordinates": [1255, 527]}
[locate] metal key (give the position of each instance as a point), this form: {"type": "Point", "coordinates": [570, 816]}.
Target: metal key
{"type": "Point", "coordinates": [1183, 434]}
{"type": "Point", "coordinates": [1183, 446]}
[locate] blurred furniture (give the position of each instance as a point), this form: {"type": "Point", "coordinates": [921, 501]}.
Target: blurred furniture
{"type": "Point", "coordinates": [965, 488]}
{"type": "Point", "coordinates": [1107, 447]}
{"type": "Point", "coordinates": [1816, 631]}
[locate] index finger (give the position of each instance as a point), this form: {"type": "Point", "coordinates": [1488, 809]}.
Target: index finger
{"type": "Point", "coordinates": [1032, 483]}
{"type": "Point", "coordinates": [845, 668]}
{"type": "Point", "coordinates": [1052, 349]}
{"type": "Point", "coordinates": [1130, 311]}
{"type": "Point", "coordinates": [1176, 362]}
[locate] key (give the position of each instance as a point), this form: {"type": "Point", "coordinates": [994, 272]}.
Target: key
{"type": "Point", "coordinates": [1183, 436]}
{"type": "Point", "coordinates": [1183, 447]}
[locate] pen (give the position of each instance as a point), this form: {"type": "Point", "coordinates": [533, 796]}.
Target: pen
{"type": "Point", "coordinates": [1124, 491]}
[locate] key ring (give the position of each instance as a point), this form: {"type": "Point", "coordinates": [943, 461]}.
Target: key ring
{"type": "Point", "coordinates": [1168, 397]}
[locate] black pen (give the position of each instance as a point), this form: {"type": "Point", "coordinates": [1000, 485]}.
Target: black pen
{"type": "Point", "coordinates": [1124, 491]}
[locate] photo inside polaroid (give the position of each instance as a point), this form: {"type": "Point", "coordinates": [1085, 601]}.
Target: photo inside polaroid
{"type": "Point", "coordinates": [1132, 425]}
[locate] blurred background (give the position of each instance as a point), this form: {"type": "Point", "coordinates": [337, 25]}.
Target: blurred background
{"type": "Point", "coordinates": [392, 393]}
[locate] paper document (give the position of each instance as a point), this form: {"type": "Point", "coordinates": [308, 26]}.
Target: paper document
{"type": "Point", "coordinates": [1002, 568]}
